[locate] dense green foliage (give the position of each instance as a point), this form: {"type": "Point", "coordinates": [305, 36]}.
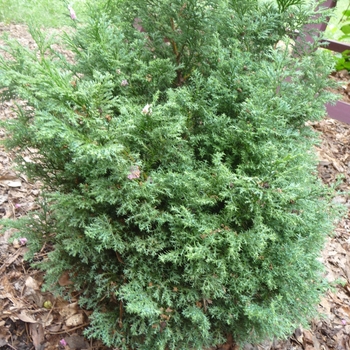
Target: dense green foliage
{"type": "Point", "coordinates": [179, 178]}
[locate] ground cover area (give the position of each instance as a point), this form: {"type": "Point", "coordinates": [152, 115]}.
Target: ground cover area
{"type": "Point", "coordinates": [32, 319]}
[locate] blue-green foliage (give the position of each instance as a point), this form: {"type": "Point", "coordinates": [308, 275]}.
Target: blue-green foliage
{"type": "Point", "coordinates": [180, 178]}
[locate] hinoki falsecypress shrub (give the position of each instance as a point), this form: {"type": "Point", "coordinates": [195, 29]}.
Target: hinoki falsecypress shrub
{"type": "Point", "coordinates": [180, 191]}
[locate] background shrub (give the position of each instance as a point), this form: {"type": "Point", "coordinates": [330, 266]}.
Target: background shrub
{"type": "Point", "coordinates": [179, 181]}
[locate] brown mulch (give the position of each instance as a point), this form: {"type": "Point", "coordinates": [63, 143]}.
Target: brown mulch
{"type": "Point", "coordinates": [342, 79]}
{"type": "Point", "coordinates": [32, 319]}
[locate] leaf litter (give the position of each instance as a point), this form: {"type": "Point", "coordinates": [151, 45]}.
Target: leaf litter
{"type": "Point", "coordinates": [33, 319]}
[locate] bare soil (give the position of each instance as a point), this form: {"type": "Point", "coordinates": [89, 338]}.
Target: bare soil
{"type": "Point", "coordinates": [33, 319]}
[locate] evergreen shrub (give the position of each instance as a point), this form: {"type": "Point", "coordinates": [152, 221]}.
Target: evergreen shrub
{"type": "Point", "coordinates": [180, 191]}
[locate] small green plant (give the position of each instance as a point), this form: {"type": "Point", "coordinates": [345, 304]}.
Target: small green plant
{"type": "Point", "coordinates": [179, 174]}
{"type": "Point", "coordinates": [343, 62]}
{"type": "Point", "coordinates": [345, 28]}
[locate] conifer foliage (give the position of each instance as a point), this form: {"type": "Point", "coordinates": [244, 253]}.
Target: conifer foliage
{"type": "Point", "coordinates": [179, 177]}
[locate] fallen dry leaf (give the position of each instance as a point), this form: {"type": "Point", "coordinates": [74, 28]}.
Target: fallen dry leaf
{"type": "Point", "coordinates": [76, 342]}
{"type": "Point", "coordinates": [32, 284]}
{"type": "Point", "coordinates": [5, 335]}
{"type": "Point", "coordinates": [26, 317]}
{"type": "Point", "coordinates": [37, 333]}
{"type": "Point", "coordinates": [8, 175]}
{"type": "Point", "coordinates": [64, 280]}
{"type": "Point", "coordinates": [68, 310]}
{"type": "Point", "coordinates": [3, 198]}
{"type": "Point", "coordinates": [16, 244]}
{"type": "Point", "coordinates": [75, 320]}
{"type": "Point", "coordinates": [17, 183]}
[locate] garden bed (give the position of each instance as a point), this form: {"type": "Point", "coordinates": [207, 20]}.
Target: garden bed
{"type": "Point", "coordinates": [26, 324]}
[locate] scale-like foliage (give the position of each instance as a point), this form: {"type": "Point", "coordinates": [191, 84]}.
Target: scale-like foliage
{"type": "Point", "coordinates": [181, 194]}
{"type": "Point", "coordinates": [283, 5]}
